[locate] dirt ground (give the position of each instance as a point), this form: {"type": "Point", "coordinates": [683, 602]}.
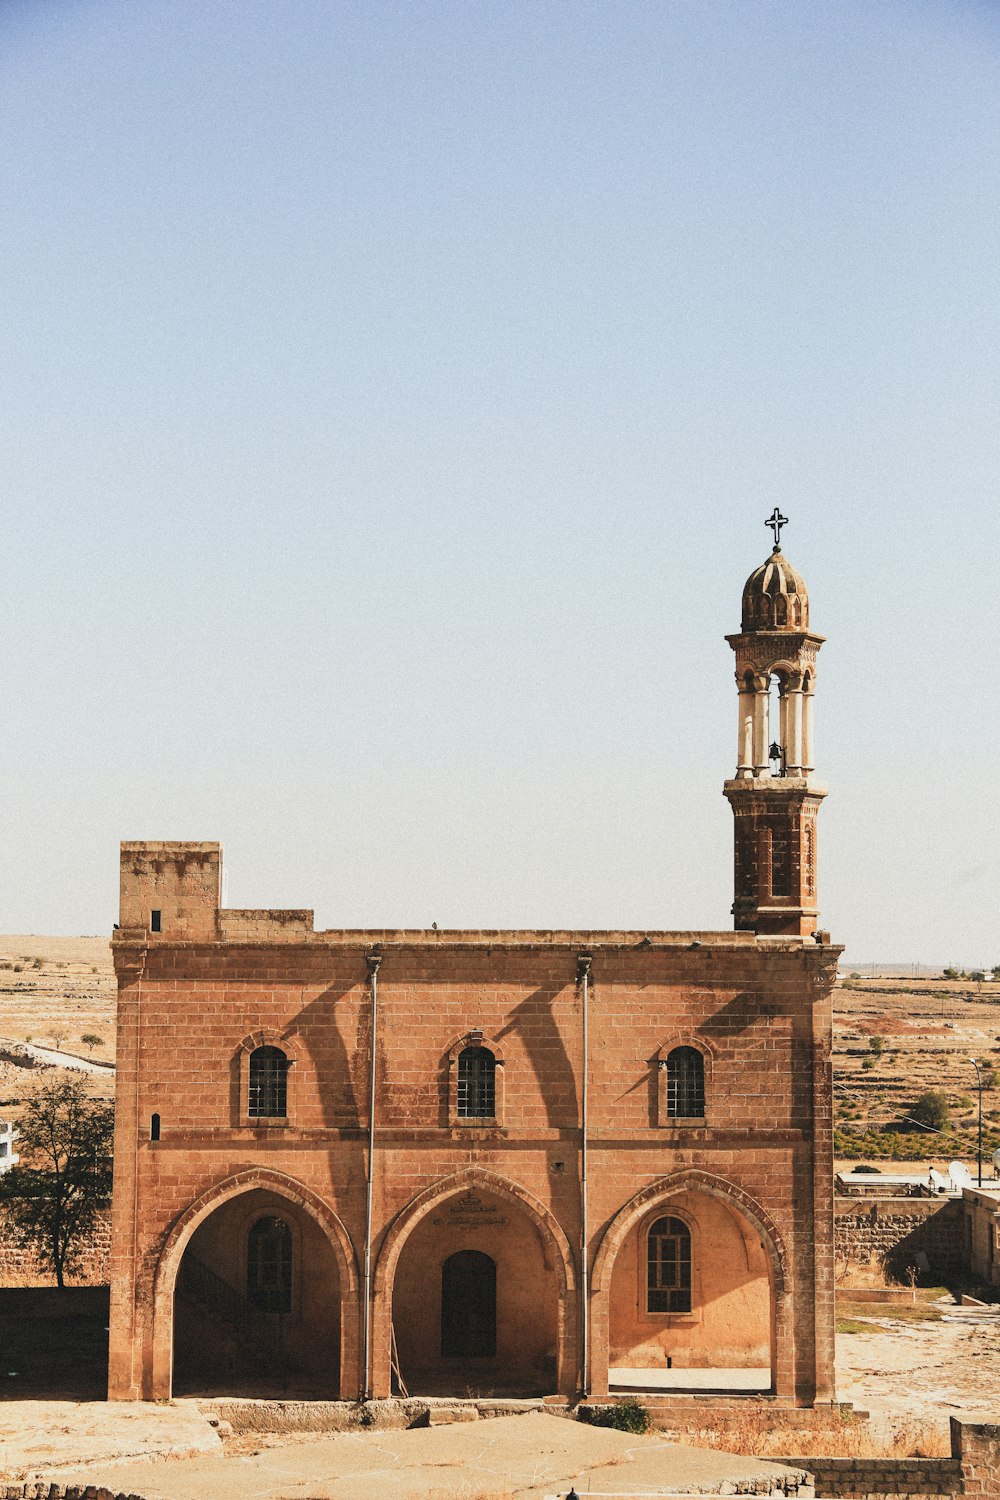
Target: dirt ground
{"type": "Point", "coordinates": [923, 1373]}
{"type": "Point", "coordinates": [911, 1376]}
{"type": "Point", "coordinates": [527, 1456]}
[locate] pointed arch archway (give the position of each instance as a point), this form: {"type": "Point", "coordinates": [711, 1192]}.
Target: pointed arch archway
{"type": "Point", "coordinates": [253, 1179]}
{"type": "Point", "coordinates": [555, 1248]}
{"type": "Point", "coordinates": [659, 1194]}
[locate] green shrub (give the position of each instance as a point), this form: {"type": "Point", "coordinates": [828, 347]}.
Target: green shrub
{"type": "Point", "coordinates": [931, 1109]}
{"type": "Point", "coordinates": [624, 1416]}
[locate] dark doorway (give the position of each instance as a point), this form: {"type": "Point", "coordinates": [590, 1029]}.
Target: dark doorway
{"type": "Point", "coordinates": [469, 1306]}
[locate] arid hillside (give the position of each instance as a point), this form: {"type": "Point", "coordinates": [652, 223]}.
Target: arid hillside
{"type": "Point", "coordinates": [59, 994]}
{"type": "Point", "coordinates": [896, 1039]}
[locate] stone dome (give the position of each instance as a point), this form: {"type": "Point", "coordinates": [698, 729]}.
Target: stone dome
{"type": "Point", "coordinates": [774, 597]}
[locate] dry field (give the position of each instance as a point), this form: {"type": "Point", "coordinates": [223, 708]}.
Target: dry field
{"type": "Point", "coordinates": [53, 993]}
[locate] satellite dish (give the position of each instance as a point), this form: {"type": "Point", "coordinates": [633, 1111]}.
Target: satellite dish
{"type": "Point", "coordinates": [996, 1164]}
{"type": "Point", "coordinates": [959, 1174]}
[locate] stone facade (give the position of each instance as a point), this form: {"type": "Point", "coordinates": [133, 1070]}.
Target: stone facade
{"type": "Point", "coordinates": [644, 1186]}
{"type": "Point", "coordinates": [982, 1232]}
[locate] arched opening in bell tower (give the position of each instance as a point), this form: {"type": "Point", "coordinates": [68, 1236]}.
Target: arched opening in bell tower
{"type": "Point", "coordinates": [777, 742]}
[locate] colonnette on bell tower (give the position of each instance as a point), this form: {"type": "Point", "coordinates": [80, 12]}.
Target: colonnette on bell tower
{"type": "Point", "coordinates": [774, 796]}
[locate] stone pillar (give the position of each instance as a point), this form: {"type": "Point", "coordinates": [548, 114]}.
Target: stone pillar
{"type": "Point", "coordinates": [808, 763]}
{"type": "Point", "coordinates": [793, 720]}
{"type": "Point", "coordinates": [760, 762]}
{"type": "Point", "coordinates": [975, 1442]}
{"type": "Point", "coordinates": [744, 744]}
{"type": "Point", "coordinates": [126, 1333]}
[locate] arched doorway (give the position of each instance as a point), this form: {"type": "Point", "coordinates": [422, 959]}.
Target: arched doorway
{"type": "Point", "coordinates": [469, 1306]}
{"type": "Point", "coordinates": [257, 1303]}
{"type": "Point", "coordinates": [689, 1293]}
{"type": "Point", "coordinates": [255, 1294]}
{"type": "Point", "coordinates": [474, 1290]}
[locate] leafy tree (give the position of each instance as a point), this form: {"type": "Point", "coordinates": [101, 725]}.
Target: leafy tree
{"type": "Point", "coordinates": [951, 974]}
{"type": "Point", "coordinates": [64, 1177]}
{"type": "Point", "coordinates": [977, 976]}
{"type": "Point", "coordinates": [931, 1109]}
{"type": "Point", "coordinates": [877, 1045]}
{"type": "Point", "coordinates": [91, 1039]}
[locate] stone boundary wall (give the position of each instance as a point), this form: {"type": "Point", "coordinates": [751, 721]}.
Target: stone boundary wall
{"type": "Point", "coordinates": [895, 1229]}
{"type": "Point", "coordinates": [44, 1489]}
{"type": "Point", "coordinates": [882, 1478]}
{"type": "Point", "coordinates": [973, 1469]}
{"type": "Point", "coordinates": [20, 1264]}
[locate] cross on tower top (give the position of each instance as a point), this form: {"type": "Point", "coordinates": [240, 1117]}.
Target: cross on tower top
{"type": "Point", "coordinates": [776, 520]}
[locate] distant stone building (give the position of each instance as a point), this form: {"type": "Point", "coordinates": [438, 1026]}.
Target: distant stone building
{"type": "Point", "coordinates": [488, 1161]}
{"type": "Point", "coordinates": [8, 1156]}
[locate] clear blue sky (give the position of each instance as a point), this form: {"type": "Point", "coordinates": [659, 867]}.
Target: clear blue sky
{"type": "Point", "coordinates": [393, 398]}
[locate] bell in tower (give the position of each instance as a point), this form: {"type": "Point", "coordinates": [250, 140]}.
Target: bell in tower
{"type": "Point", "coordinates": [774, 795]}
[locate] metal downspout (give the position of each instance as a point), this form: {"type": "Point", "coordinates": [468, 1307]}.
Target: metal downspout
{"type": "Point", "coordinates": [373, 960]}
{"type": "Point", "coordinates": [583, 963]}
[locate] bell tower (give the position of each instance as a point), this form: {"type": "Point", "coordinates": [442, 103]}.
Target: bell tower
{"type": "Point", "coordinates": [774, 796]}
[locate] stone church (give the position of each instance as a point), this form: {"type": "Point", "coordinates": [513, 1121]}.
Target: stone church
{"type": "Point", "coordinates": [351, 1163]}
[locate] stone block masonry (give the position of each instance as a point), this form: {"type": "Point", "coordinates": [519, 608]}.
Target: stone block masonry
{"type": "Point", "coordinates": [501, 1162]}
{"type": "Point", "coordinates": [45, 1489]}
{"type": "Point", "coordinates": [737, 1200]}
{"type": "Point", "coordinates": [895, 1230]}
{"type": "Point", "coordinates": [22, 1265]}
{"type": "Point", "coordinates": [972, 1469]}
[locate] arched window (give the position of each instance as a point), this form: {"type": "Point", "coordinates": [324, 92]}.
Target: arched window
{"type": "Point", "coordinates": [269, 1265]}
{"type": "Point", "coordinates": [268, 1083]}
{"type": "Point", "coordinates": [668, 1267]}
{"type": "Point", "coordinates": [476, 1097]}
{"type": "Point", "coordinates": [685, 1084]}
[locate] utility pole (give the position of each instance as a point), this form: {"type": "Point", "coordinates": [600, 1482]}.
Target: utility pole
{"type": "Point", "coordinates": [979, 1081]}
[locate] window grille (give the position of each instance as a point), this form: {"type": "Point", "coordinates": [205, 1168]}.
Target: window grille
{"type": "Point", "coordinates": [268, 1083]}
{"type": "Point", "coordinates": [685, 1084]}
{"type": "Point", "coordinates": [269, 1265]}
{"type": "Point", "coordinates": [477, 1096]}
{"type": "Point", "coordinates": [668, 1267]}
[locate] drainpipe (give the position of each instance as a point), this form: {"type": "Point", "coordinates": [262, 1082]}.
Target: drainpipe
{"type": "Point", "coordinates": [583, 963]}
{"type": "Point", "coordinates": [373, 960]}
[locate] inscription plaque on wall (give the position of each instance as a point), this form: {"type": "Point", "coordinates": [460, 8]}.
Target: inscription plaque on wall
{"type": "Point", "coordinates": [470, 1212]}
